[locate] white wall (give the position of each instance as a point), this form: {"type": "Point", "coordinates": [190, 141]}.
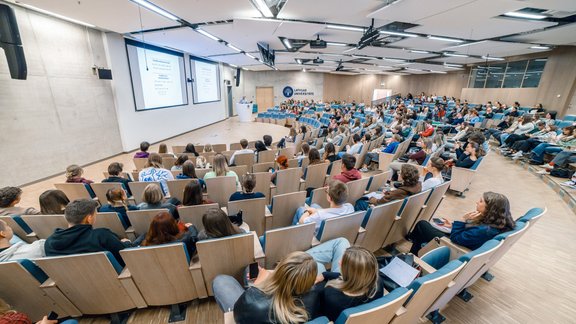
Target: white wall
{"type": "Point", "coordinates": [62, 114]}
{"type": "Point", "coordinates": [249, 80]}
{"type": "Point", "coordinates": [155, 125]}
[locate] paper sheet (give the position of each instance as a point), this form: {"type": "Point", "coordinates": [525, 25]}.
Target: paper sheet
{"type": "Point", "coordinates": [376, 195]}
{"type": "Point", "coordinates": [400, 272]}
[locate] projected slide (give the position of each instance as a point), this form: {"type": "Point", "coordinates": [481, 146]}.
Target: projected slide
{"type": "Point", "coordinates": [206, 86]}
{"type": "Point", "coordinates": [158, 78]}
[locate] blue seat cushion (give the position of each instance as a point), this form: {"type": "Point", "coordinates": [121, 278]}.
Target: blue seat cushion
{"type": "Point", "coordinates": [394, 294]}
{"type": "Point", "coordinates": [34, 270]}
{"type": "Point", "coordinates": [502, 236]}
{"type": "Point", "coordinates": [438, 257]}
{"type": "Point", "coordinates": [530, 214]}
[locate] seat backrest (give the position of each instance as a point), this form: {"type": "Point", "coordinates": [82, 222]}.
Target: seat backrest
{"type": "Point", "coordinates": [253, 211]}
{"type": "Point", "coordinates": [378, 180]}
{"type": "Point", "coordinates": [287, 152]}
{"type": "Point", "coordinates": [193, 214]}
{"type": "Point", "coordinates": [360, 156]}
{"type": "Point", "coordinates": [168, 162]}
{"type": "Point", "coordinates": [284, 207]}
{"type": "Point", "coordinates": [262, 167]}
{"type": "Point", "coordinates": [96, 273]}
{"type": "Point", "coordinates": [282, 241]}
{"type": "Point", "coordinates": [73, 190]}
{"type": "Point", "coordinates": [240, 170]}
{"type": "Point", "coordinates": [533, 215]}
{"type": "Point", "coordinates": [158, 283]}
{"type": "Point", "coordinates": [413, 206]}
{"type": "Point", "coordinates": [509, 238]}
{"type": "Point", "coordinates": [267, 156]}
{"type": "Point", "coordinates": [377, 222]}
{"type": "Point", "coordinates": [141, 219]}
{"type": "Point", "coordinates": [433, 201]}
{"type": "Point", "coordinates": [110, 221]}
{"type": "Point", "coordinates": [346, 226]}
{"type": "Point", "coordinates": [237, 251]}
{"type": "Point", "coordinates": [176, 187]}
{"type": "Point", "coordinates": [319, 196]}
{"type": "Point", "coordinates": [335, 168]}
{"type": "Point", "coordinates": [316, 175]}
{"type": "Point", "coordinates": [426, 290]}
{"type": "Point", "coordinates": [288, 180]}
{"type": "Point", "coordinates": [381, 310]}
{"type": "Point", "coordinates": [139, 163]}
{"type": "Point", "coordinates": [304, 162]}
{"type": "Point", "coordinates": [356, 189]}
{"type": "Point", "coordinates": [21, 282]}
{"type": "Point", "coordinates": [221, 188]}
{"type": "Point", "coordinates": [137, 189]}
{"type": "Point", "coordinates": [219, 148]}
{"type": "Point", "coordinates": [244, 159]}
{"type": "Point", "coordinates": [475, 260]}
{"type": "Point", "coordinates": [100, 190]}
{"type": "Point", "coordinates": [44, 225]}
{"type": "Point", "coordinates": [235, 146]}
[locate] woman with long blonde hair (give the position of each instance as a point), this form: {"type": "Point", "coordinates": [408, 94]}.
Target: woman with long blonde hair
{"type": "Point", "coordinates": [357, 283]}
{"type": "Point", "coordinates": [220, 169]}
{"type": "Point", "coordinates": [281, 296]}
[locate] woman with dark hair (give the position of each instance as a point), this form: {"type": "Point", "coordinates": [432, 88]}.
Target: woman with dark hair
{"type": "Point", "coordinates": [164, 229]}
{"type": "Point", "coordinates": [433, 173]}
{"type": "Point", "coordinates": [216, 225]}
{"type": "Point", "coordinates": [53, 202]}
{"type": "Point", "coordinates": [330, 153]}
{"type": "Point", "coordinates": [179, 162]}
{"type": "Point", "coordinates": [191, 149]}
{"type": "Point", "coordinates": [118, 203]}
{"type": "Point", "coordinates": [189, 172]}
{"type": "Point", "coordinates": [314, 157]}
{"type": "Point", "coordinates": [491, 217]}
{"type": "Point", "coordinates": [193, 195]}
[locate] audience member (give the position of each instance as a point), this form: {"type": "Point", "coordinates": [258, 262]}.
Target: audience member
{"type": "Point", "coordinates": [220, 169]}
{"type": "Point", "coordinates": [114, 175]}
{"type": "Point", "coordinates": [80, 237]}
{"type": "Point", "coordinates": [349, 172]}
{"type": "Point", "coordinates": [189, 172]}
{"type": "Point", "coordinates": [193, 195]}
{"type": "Point", "coordinates": [118, 203]}
{"type": "Point", "coordinates": [190, 149]}
{"type": "Point", "coordinates": [432, 173]}
{"type": "Point", "coordinates": [216, 225]}
{"type": "Point", "coordinates": [20, 249]}
{"type": "Point", "coordinates": [281, 164]}
{"type": "Point", "coordinates": [244, 150]}
{"type": "Point", "coordinates": [409, 186]}
{"type": "Point", "coordinates": [164, 229]}
{"type": "Point", "coordinates": [154, 171]}
{"type": "Point", "coordinates": [143, 154]}
{"type": "Point", "coordinates": [179, 162]}
{"type": "Point", "coordinates": [267, 141]}
{"type": "Point", "coordinates": [248, 185]}
{"type": "Point", "coordinates": [153, 198]}
{"type": "Point", "coordinates": [53, 202]}
{"type": "Point", "coordinates": [9, 198]}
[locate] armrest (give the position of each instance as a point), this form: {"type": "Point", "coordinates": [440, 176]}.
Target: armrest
{"type": "Point", "coordinates": [401, 311]}
{"type": "Point", "coordinates": [48, 283]}
{"type": "Point", "coordinates": [258, 251]}
{"type": "Point", "coordinates": [130, 230]}
{"type": "Point", "coordinates": [455, 250]}
{"type": "Point", "coordinates": [315, 241]}
{"type": "Point", "coordinates": [125, 278]}
{"type": "Point", "coordinates": [196, 272]}
{"type": "Point", "coordinates": [426, 268]}
{"type": "Point", "coordinates": [53, 292]}
{"type": "Point", "coordinates": [32, 235]}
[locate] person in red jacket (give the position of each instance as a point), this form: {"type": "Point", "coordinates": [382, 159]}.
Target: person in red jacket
{"type": "Point", "coordinates": [349, 173]}
{"type": "Point", "coordinates": [428, 130]}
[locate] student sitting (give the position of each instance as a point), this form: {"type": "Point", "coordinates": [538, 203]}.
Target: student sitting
{"type": "Point", "coordinates": [114, 171]}
{"type": "Point", "coordinates": [267, 141]}
{"type": "Point", "coordinates": [163, 150]}
{"type": "Point", "coordinates": [190, 149]}
{"type": "Point", "coordinates": [179, 162]}
{"type": "Point", "coordinates": [304, 153]}
{"type": "Point", "coordinates": [154, 171]}
{"type": "Point", "coordinates": [220, 169]}
{"type": "Point", "coordinates": [53, 202]}
{"type": "Point", "coordinates": [281, 164]}
{"type": "Point", "coordinates": [80, 237]}
{"type": "Point", "coordinates": [566, 139]}
{"type": "Point", "coordinates": [433, 173]}
{"type": "Point", "coordinates": [314, 157]}
{"type": "Point", "coordinates": [491, 217]}
{"type": "Point", "coordinates": [259, 146]}
{"type": "Point", "coordinates": [20, 249]}
{"type": "Point", "coordinates": [9, 198]}
{"type": "Point", "coordinates": [154, 199]}
{"type": "Point", "coordinates": [117, 203]}
{"type": "Point", "coordinates": [11, 316]}
{"type": "Point", "coordinates": [216, 225]}
{"type": "Point", "coordinates": [390, 149]}
{"type": "Point", "coordinates": [74, 175]}
{"type": "Point", "coordinates": [164, 229]}
{"type": "Point", "coordinates": [284, 295]}
{"type": "Point", "coordinates": [330, 153]}
{"type": "Point", "coordinates": [337, 196]}
{"type": "Point", "coordinates": [245, 149]}
{"type": "Point", "coordinates": [348, 173]}
{"type": "Point", "coordinates": [248, 185]}
{"type": "Point", "coordinates": [409, 186]}
{"type": "Point", "coordinates": [208, 148]}
{"type": "Point", "coordinates": [189, 172]}
{"type": "Point", "coordinates": [354, 149]}
{"type": "Point", "coordinates": [357, 283]}
{"type": "Point", "coordinates": [467, 159]}
{"type": "Point", "coordinates": [193, 195]}
{"type": "Point", "coordinates": [143, 154]}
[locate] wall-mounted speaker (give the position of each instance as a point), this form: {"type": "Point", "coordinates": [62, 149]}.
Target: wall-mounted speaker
{"type": "Point", "coordinates": [238, 77]}
{"type": "Point", "coordinates": [11, 43]}
{"type": "Point", "coordinates": [104, 74]}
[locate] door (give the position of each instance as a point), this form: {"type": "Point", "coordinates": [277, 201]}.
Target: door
{"type": "Point", "coordinates": [230, 103]}
{"type": "Point", "coordinates": [264, 98]}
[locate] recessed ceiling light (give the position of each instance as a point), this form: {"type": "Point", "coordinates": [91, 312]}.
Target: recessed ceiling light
{"type": "Point", "coordinates": [262, 6]}
{"type": "Point", "coordinates": [540, 47]}
{"type": "Point", "coordinates": [453, 66]}
{"type": "Point", "coordinates": [445, 39]}
{"type": "Point", "coordinates": [394, 60]}
{"type": "Point", "coordinates": [286, 42]}
{"type": "Point", "coordinates": [233, 47]}
{"type": "Point", "coordinates": [492, 58]}
{"type": "Point", "coordinates": [250, 56]}
{"type": "Point", "coordinates": [49, 13]}
{"type": "Point", "coordinates": [336, 44]}
{"type": "Point", "coordinates": [455, 55]}
{"type": "Point", "coordinates": [397, 33]}
{"type": "Point", "coordinates": [156, 9]}
{"type": "Point", "coordinates": [439, 72]}
{"type": "Point", "coordinates": [419, 52]}
{"type": "Point", "coordinates": [341, 27]}
{"type": "Point", "coordinates": [524, 15]}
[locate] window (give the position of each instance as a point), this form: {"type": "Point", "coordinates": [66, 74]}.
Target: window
{"type": "Point", "coordinates": [519, 74]}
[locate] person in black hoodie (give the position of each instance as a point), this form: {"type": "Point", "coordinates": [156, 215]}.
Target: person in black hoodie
{"type": "Point", "coordinates": [80, 237]}
{"type": "Point", "coordinates": [114, 171]}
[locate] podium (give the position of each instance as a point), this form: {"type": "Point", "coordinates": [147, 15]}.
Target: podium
{"type": "Point", "coordinates": [244, 112]}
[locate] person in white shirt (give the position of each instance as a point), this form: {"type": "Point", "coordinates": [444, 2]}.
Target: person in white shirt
{"type": "Point", "coordinates": [354, 149]}
{"type": "Point", "coordinates": [245, 149]}
{"type": "Point", "coordinates": [337, 196]}
{"type": "Point", "coordinates": [433, 173]}
{"type": "Point", "coordinates": [20, 249]}
{"type": "Point", "coordinates": [155, 171]}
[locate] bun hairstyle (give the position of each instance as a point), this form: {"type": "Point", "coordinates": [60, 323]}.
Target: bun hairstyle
{"type": "Point", "coordinates": [73, 171]}
{"type": "Point", "coordinates": [282, 161]}
{"type": "Point", "coordinates": [438, 163]}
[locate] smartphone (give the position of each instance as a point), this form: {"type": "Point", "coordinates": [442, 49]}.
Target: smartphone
{"type": "Point", "coordinates": [438, 221]}
{"type": "Point", "coordinates": [52, 316]}
{"type": "Point", "coordinates": [254, 269]}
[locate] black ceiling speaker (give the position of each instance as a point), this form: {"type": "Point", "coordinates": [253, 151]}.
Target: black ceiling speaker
{"type": "Point", "coordinates": [238, 76]}
{"type": "Point", "coordinates": [11, 43]}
